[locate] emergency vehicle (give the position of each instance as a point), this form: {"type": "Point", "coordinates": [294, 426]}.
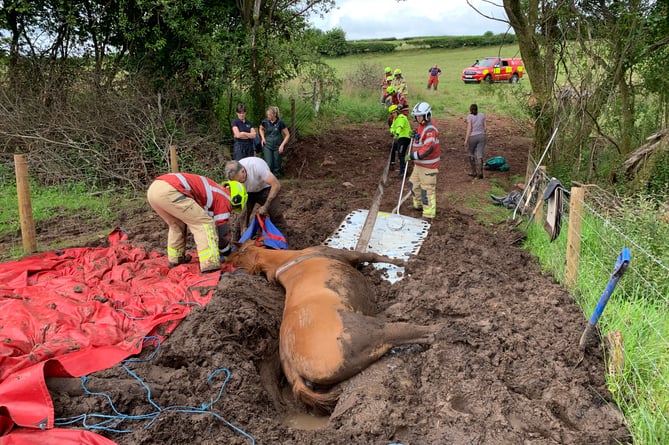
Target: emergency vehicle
{"type": "Point", "coordinates": [494, 69]}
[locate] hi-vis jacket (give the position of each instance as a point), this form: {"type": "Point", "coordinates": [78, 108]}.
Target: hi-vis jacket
{"type": "Point", "coordinates": [211, 196]}
{"type": "Point", "coordinates": [400, 127]}
{"type": "Point", "coordinates": [425, 151]}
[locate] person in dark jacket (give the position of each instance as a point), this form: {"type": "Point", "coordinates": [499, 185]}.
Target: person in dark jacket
{"type": "Point", "coordinates": [244, 135]}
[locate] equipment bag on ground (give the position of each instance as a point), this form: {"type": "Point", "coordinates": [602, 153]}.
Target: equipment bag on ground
{"type": "Point", "coordinates": [497, 163]}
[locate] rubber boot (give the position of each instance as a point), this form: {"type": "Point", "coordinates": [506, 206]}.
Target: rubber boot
{"type": "Point", "coordinates": [472, 163]}
{"type": "Point", "coordinates": [481, 169]}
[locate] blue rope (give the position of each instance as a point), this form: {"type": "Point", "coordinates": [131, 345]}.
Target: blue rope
{"type": "Point", "coordinates": [131, 317]}
{"type": "Point", "coordinates": [153, 355]}
{"type": "Point", "coordinates": [112, 422]}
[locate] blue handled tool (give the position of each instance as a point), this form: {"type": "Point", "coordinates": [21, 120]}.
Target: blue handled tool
{"type": "Point", "coordinates": [621, 266]}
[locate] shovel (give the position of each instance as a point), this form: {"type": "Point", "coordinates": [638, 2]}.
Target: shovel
{"type": "Point", "coordinates": [621, 266]}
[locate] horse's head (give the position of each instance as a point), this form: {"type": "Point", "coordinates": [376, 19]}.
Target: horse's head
{"type": "Point", "coordinates": [255, 258]}
{"type": "Point", "coordinates": [246, 257]}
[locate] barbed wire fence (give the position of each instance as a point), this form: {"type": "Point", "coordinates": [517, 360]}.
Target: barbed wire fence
{"type": "Point", "coordinates": [634, 326]}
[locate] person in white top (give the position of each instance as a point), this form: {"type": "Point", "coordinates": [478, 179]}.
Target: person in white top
{"type": "Point", "coordinates": [475, 140]}
{"type": "Point", "coordinates": [261, 185]}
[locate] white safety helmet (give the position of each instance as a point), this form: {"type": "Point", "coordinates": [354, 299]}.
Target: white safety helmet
{"type": "Point", "coordinates": [422, 109]}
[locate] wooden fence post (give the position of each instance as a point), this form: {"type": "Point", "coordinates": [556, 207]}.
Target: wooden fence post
{"type": "Point", "coordinates": [28, 232]}
{"type": "Point", "coordinates": [174, 160]}
{"type": "Point", "coordinates": [574, 235]}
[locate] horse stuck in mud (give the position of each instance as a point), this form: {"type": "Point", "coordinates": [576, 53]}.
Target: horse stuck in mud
{"type": "Point", "coordinates": [327, 334]}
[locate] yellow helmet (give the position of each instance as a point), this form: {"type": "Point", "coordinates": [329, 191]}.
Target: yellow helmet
{"type": "Point", "coordinates": [398, 71]}
{"type": "Point", "coordinates": [389, 79]}
{"type": "Point", "coordinates": [392, 108]}
{"type": "Point", "coordinates": [390, 90]}
{"type": "Point", "coordinates": [238, 195]}
{"type": "Point", "coordinates": [388, 70]}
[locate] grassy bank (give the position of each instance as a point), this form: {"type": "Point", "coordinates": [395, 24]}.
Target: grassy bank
{"type": "Point", "coordinates": [637, 311]}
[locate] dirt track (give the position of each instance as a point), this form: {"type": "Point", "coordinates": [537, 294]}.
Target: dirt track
{"type": "Point", "coordinates": [505, 371]}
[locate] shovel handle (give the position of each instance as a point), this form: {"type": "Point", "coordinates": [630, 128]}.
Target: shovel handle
{"type": "Point", "coordinates": [622, 263]}
{"type": "Point", "coordinates": [404, 177]}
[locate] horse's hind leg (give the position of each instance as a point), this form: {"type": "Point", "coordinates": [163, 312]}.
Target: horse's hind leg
{"type": "Point", "coordinates": [365, 339]}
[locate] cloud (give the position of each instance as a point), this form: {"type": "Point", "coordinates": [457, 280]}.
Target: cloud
{"type": "Point", "coordinates": [373, 19]}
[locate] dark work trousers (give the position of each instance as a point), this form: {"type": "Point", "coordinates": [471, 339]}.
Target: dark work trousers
{"type": "Point", "coordinates": [242, 148]}
{"type": "Point", "coordinates": [274, 210]}
{"type": "Point", "coordinates": [401, 146]}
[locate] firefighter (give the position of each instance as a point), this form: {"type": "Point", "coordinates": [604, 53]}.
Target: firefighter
{"type": "Point", "coordinates": [433, 80]}
{"type": "Point", "coordinates": [399, 83]}
{"type": "Point", "coordinates": [384, 94]}
{"type": "Point", "coordinates": [401, 131]}
{"type": "Point", "coordinates": [385, 83]}
{"type": "Point", "coordinates": [186, 200]}
{"type": "Point", "coordinates": [425, 153]}
{"type": "Point", "coordinates": [395, 98]}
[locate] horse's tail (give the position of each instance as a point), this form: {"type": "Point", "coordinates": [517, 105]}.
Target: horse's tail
{"type": "Point", "coordinates": [321, 402]}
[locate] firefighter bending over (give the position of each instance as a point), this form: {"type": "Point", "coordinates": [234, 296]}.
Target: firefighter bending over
{"type": "Point", "coordinates": [189, 201]}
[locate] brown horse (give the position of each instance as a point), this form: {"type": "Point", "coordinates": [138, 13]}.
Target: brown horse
{"type": "Point", "coordinates": [326, 333]}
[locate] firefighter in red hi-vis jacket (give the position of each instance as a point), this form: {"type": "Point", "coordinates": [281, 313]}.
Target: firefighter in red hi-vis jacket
{"type": "Point", "coordinates": [425, 154]}
{"type": "Point", "coordinates": [186, 200]}
{"type": "Point", "coordinates": [395, 98]}
{"type": "Point", "coordinates": [433, 80]}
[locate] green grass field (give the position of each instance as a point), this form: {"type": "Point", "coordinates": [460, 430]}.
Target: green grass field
{"type": "Point", "coordinates": [453, 97]}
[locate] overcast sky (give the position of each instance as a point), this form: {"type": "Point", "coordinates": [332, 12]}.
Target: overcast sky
{"type": "Point", "coordinates": [373, 19]}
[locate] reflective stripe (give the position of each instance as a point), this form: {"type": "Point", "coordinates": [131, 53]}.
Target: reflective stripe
{"type": "Point", "coordinates": [174, 253]}
{"type": "Point", "coordinates": [183, 181]}
{"type": "Point", "coordinates": [209, 190]}
{"type": "Point", "coordinates": [211, 252]}
{"type": "Point", "coordinates": [221, 191]}
{"type": "Point", "coordinates": [205, 254]}
{"type": "Point", "coordinates": [222, 217]}
{"type": "Point", "coordinates": [426, 161]}
{"type": "Point", "coordinates": [428, 126]}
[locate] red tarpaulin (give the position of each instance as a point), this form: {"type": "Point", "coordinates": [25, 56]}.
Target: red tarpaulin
{"type": "Point", "coordinates": [76, 311]}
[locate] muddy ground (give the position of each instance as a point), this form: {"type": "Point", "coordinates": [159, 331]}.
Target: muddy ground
{"type": "Point", "coordinates": [506, 370]}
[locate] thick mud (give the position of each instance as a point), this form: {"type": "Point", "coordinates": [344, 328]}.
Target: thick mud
{"type": "Point", "coordinates": [505, 369]}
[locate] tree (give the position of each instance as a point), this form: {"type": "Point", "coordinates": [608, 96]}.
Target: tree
{"type": "Point", "coordinates": [535, 25]}
{"type": "Point", "coordinates": [273, 29]}
{"type": "Point", "coordinates": [333, 43]}
{"type": "Point", "coordinates": [596, 47]}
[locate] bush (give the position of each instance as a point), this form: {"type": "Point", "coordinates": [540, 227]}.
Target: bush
{"type": "Point", "coordinates": [365, 76]}
{"type": "Point", "coordinates": [333, 43]}
{"type": "Point", "coordinates": [372, 47]}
